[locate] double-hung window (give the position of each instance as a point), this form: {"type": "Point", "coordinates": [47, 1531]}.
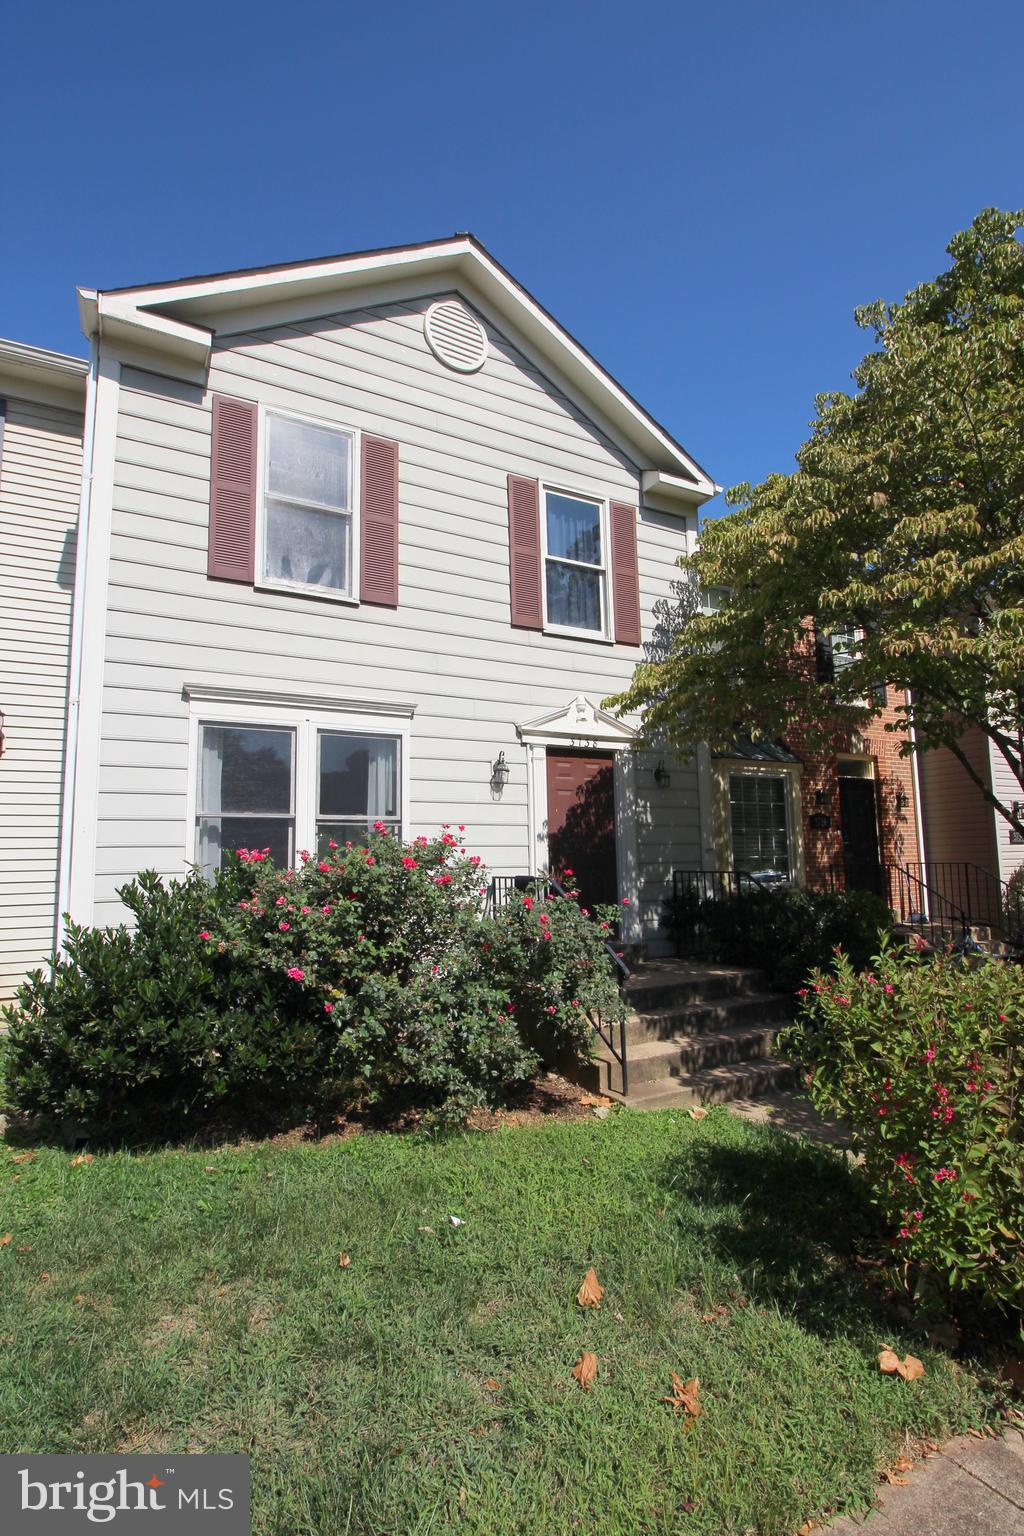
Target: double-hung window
{"type": "Point", "coordinates": [246, 795]}
{"type": "Point", "coordinates": [575, 570]}
{"type": "Point", "coordinates": [290, 787]}
{"type": "Point", "coordinates": [308, 506]}
{"type": "Point", "coordinates": [759, 820]}
{"type": "Point", "coordinates": [357, 785]}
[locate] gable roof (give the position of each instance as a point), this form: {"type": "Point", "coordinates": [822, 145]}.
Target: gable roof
{"type": "Point", "coordinates": [181, 317]}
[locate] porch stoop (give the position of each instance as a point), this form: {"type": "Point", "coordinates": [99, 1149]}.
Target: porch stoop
{"type": "Point", "coordinates": [696, 1033]}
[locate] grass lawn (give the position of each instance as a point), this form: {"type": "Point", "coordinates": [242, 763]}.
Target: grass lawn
{"type": "Point", "coordinates": [193, 1301]}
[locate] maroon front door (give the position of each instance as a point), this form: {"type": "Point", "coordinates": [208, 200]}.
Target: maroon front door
{"type": "Point", "coordinates": [581, 822]}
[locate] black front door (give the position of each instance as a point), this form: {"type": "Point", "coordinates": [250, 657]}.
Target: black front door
{"type": "Point", "coordinates": [859, 826]}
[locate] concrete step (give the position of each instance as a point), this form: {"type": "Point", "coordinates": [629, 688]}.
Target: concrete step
{"type": "Point", "coordinates": [719, 1085]}
{"type": "Point", "coordinates": [657, 1060]}
{"type": "Point", "coordinates": [698, 1018]}
{"type": "Point", "coordinates": [657, 984]}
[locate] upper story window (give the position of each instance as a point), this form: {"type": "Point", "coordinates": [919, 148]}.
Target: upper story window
{"type": "Point", "coordinates": [575, 570]}
{"type": "Point", "coordinates": [308, 506]}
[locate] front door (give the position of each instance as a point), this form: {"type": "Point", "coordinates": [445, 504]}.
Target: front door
{"type": "Point", "coordinates": [581, 822]}
{"type": "Point", "coordinates": [859, 826]}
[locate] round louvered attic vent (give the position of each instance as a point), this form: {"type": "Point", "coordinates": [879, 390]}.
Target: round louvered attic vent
{"type": "Point", "coordinates": [455, 336]}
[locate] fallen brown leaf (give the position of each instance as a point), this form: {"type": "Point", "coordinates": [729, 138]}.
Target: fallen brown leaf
{"type": "Point", "coordinates": [591, 1099]}
{"type": "Point", "coordinates": [806, 1528]}
{"type": "Point", "coordinates": [976, 1433]}
{"type": "Point", "coordinates": [83, 1157]}
{"type": "Point", "coordinates": [585, 1370]}
{"type": "Point", "coordinates": [903, 1464]}
{"type": "Point", "coordinates": [24, 1247]}
{"type": "Point", "coordinates": [896, 1482]}
{"type": "Point", "coordinates": [698, 1112]}
{"type": "Point", "coordinates": [23, 1157]}
{"type": "Point", "coordinates": [79, 1301]}
{"type": "Point", "coordinates": [591, 1291]}
{"type": "Point", "coordinates": [44, 1277]}
{"type": "Point", "coordinates": [5, 1240]}
{"type": "Point", "coordinates": [343, 1261]}
{"type": "Point", "coordinates": [910, 1368]}
{"type": "Point", "coordinates": [685, 1394]}
{"type": "Point", "coordinates": [718, 1314]}
{"type": "Point", "coordinates": [492, 1385]}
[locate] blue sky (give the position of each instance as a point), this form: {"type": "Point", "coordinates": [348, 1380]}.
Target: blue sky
{"type": "Point", "coordinates": [700, 193]}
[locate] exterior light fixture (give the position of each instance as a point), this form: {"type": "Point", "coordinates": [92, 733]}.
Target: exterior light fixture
{"type": "Point", "coordinates": [662, 777]}
{"type": "Point", "coordinates": [500, 773]}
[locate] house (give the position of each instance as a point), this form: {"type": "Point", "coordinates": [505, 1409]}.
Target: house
{"type": "Point", "coordinates": [368, 539]}
{"type": "Point", "coordinates": [42, 400]}
{"type": "Point", "coordinates": [970, 851]}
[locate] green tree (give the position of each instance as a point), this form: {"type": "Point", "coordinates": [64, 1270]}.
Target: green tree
{"type": "Point", "coordinates": [904, 519]}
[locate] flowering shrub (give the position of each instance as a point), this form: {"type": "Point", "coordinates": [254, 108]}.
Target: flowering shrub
{"type": "Point", "coordinates": [925, 1060]}
{"type": "Point", "coordinates": [367, 975]}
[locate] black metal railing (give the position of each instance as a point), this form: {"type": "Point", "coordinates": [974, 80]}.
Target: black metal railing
{"type": "Point", "coordinates": [988, 901]}
{"type": "Point", "coordinates": [916, 904]}
{"type": "Point", "coordinates": [694, 890]}
{"type": "Point", "coordinates": [502, 888]}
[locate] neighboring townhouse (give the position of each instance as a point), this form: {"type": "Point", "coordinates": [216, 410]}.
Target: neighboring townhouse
{"type": "Point", "coordinates": [42, 396]}
{"type": "Point", "coordinates": [970, 851]}
{"type": "Point", "coordinates": [368, 539]}
{"type": "Point", "coordinates": [835, 815]}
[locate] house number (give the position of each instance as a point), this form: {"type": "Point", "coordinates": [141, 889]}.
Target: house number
{"type": "Point", "coordinates": [583, 741]}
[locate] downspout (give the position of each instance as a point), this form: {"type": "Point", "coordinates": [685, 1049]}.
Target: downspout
{"type": "Point", "coordinates": [915, 769]}
{"type": "Point", "coordinates": [67, 820]}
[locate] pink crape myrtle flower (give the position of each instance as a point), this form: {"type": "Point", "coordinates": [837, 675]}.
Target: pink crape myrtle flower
{"type": "Point", "coordinates": [323, 866]}
{"type": "Point", "coordinates": [295, 974]}
{"type": "Point", "coordinates": [328, 1007]}
{"type": "Point", "coordinates": [204, 933]}
{"type": "Point", "coordinates": [284, 927]}
{"type": "Point", "coordinates": [408, 863]}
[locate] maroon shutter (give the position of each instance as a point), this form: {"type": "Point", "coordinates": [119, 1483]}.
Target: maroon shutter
{"type": "Point", "coordinates": [524, 552]}
{"type": "Point", "coordinates": [625, 583]}
{"type": "Point", "coordinates": [232, 544]}
{"type": "Point", "coordinates": [378, 557]}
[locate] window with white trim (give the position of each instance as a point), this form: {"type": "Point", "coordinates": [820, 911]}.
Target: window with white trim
{"type": "Point", "coordinates": [308, 508]}
{"type": "Point", "coordinates": [289, 787]}
{"type": "Point", "coordinates": [575, 568]}
{"type": "Point", "coordinates": [759, 821]}
{"type": "Point", "coordinates": [357, 785]}
{"type": "Point", "coordinates": [246, 793]}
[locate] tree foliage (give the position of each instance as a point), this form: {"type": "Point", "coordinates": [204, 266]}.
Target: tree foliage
{"type": "Point", "coordinates": [905, 517]}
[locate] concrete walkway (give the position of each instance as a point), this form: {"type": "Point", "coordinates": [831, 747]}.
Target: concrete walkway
{"type": "Point", "coordinates": [968, 1488]}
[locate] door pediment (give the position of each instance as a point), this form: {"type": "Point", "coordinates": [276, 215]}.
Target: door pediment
{"type": "Point", "coordinates": [578, 724]}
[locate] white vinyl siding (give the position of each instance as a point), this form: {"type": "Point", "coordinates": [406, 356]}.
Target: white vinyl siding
{"type": "Point", "coordinates": [449, 647]}
{"type": "Point", "coordinates": [40, 477]}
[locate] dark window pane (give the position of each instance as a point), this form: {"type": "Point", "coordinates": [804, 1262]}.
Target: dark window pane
{"type": "Point", "coordinates": [574, 596]}
{"type": "Point", "coordinates": [574, 529]}
{"type": "Point", "coordinates": [245, 769]}
{"type": "Point", "coordinates": [358, 776]}
{"type": "Point", "coordinates": [342, 832]}
{"type": "Point", "coordinates": [760, 839]}
{"type": "Point", "coordinates": [308, 547]}
{"type": "Point", "coordinates": [220, 835]}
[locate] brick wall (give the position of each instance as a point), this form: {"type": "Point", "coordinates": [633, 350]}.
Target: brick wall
{"type": "Point", "coordinates": [897, 816]}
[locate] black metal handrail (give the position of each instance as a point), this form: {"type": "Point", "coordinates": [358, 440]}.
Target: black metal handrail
{"type": "Point", "coordinates": [499, 892]}
{"type": "Point", "coordinates": [982, 895]}
{"type": "Point", "coordinates": [915, 904]}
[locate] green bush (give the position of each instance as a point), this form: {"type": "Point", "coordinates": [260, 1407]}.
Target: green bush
{"type": "Point", "coordinates": [786, 932]}
{"type": "Point", "coordinates": [924, 1059]}
{"type": "Point", "coordinates": [369, 976]}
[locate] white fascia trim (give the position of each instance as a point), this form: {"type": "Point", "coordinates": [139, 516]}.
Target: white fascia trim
{"type": "Point", "coordinates": [207, 295]}
{"type": "Point", "coordinates": [655, 481]}
{"type": "Point", "coordinates": [120, 321]}
{"type": "Point", "coordinates": [320, 702]}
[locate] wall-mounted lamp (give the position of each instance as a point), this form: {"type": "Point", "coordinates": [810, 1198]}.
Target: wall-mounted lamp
{"type": "Point", "coordinates": [900, 800]}
{"type": "Point", "coordinates": [662, 777]}
{"type": "Point", "coordinates": [820, 797]}
{"type": "Point", "coordinates": [500, 773]}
